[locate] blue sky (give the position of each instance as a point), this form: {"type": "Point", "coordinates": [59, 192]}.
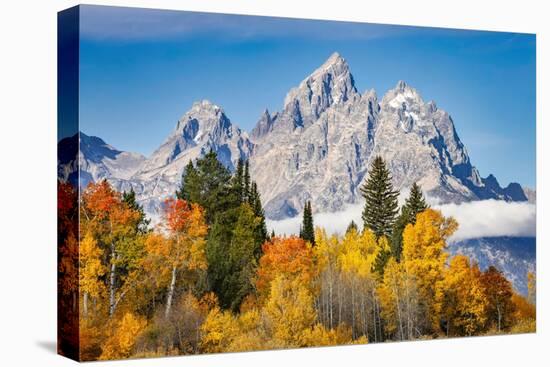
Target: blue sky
{"type": "Point", "coordinates": [140, 70]}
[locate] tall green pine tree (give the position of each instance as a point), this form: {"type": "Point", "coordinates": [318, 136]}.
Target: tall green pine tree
{"type": "Point", "coordinates": [414, 204]}
{"type": "Point", "coordinates": [236, 222]}
{"type": "Point", "coordinates": [380, 207]}
{"type": "Point", "coordinates": [380, 200]}
{"type": "Point", "coordinates": [307, 230]}
{"type": "Point", "coordinates": [246, 182]}
{"type": "Point", "coordinates": [129, 198]}
{"type": "Point", "coordinates": [260, 232]}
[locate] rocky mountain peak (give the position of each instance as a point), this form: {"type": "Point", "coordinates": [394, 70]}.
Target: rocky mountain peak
{"type": "Point", "coordinates": [402, 96]}
{"type": "Point", "coordinates": [331, 83]}
{"type": "Point", "coordinates": [202, 128]}
{"type": "Point", "coordinates": [263, 126]}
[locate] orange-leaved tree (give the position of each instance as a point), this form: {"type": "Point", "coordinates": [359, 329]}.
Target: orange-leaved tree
{"type": "Point", "coordinates": [113, 224]}
{"type": "Point", "coordinates": [184, 247]}
{"type": "Point", "coordinates": [292, 257]}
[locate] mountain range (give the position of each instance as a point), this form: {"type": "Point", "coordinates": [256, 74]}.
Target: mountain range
{"type": "Point", "coordinates": [318, 147]}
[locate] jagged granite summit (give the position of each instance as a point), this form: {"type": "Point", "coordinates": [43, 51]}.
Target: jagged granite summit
{"type": "Point", "coordinates": [318, 147]}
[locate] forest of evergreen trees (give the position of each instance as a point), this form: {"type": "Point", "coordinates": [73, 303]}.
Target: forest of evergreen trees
{"type": "Point", "coordinates": [210, 278]}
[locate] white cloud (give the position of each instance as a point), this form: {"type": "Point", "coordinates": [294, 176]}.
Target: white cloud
{"type": "Point", "coordinates": [492, 218]}
{"type": "Point", "coordinates": [336, 222]}
{"type": "Point", "coordinates": [476, 219]}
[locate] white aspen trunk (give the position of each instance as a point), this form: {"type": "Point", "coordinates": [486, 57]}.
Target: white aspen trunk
{"type": "Point", "coordinates": [339, 291]}
{"type": "Point", "coordinates": [112, 278]}
{"type": "Point", "coordinates": [170, 293]}
{"type": "Point", "coordinates": [363, 316]}
{"type": "Point", "coordinates": [353, 308]}
{"type": "Point", "coordinates": [374, 316]}
{"type": "Point", "coordinates": [85, 305]}
{"type": "Point", "coordinates": [366, 317]}
{"type": "Point", "coordinates": [398, 305]}
{"type": "Point", "coordinates": [330, 286]}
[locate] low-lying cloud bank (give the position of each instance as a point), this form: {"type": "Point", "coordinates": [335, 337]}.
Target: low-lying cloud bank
{"type": "Point", "coordinates": [485, 218]}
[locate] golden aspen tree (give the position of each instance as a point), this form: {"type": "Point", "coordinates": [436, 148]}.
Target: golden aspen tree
{"type": "Point", "coordinates": [219, 329]}
{"type": "Point", "coordinates": [90, 272]}
{"type": "Point", "coordinates": [326, 260]}
{"type": "Point", "coordinates": [424, 258]}
{"type": "Point", "coordinates": [184, 249]}
{"type": "Point", "coordinates": [356, 259]}
{"type": "Point", "coordinates": [525, 315]}
{"type": "Point", "coordinates": [464, 303]}
{"type": "Point", "coordinates": [120, 344]}
{"type": "Point", "coordinates": [399, 301]}
{"type": "Point", "coordinates": [289, 311]}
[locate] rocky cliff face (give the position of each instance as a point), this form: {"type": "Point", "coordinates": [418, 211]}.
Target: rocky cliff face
{"type": "Point", "coordinates": [318, 147]}
{"type": "Point", "coordinates": [97, 159]}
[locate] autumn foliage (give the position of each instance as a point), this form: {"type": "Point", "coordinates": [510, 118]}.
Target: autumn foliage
{"type": "Point", "coordinates": [136, 291]}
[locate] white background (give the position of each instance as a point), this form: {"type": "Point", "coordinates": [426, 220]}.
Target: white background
{"type": "Point", "coordinates": [28, 181]}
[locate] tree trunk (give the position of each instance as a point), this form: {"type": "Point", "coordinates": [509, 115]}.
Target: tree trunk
{"type": "Point", "coordinates": [499, 316]}
{"type": "Point", "coordinates": [170, 293]}
{"type": "Point", "coordinates": [112, 278]}
{"type": "Point", "coordinates": [85, 305]}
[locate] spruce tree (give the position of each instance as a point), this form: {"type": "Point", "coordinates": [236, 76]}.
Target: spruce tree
{"type": "Point", "coordinates": [380, 200]}
{"type": "Point", "coordinates": [189, 187]}
{"type": "Point", "coordinates": [414, 204]}
{"type": "Point", "coordinates": [246, 182]}
{"type": "Point", "coordinates": [237, 180]}
{"type": "Point", "coordinates": [224, 196]}
{"type": "Point", "coordinates": [241, 258]}
{"type": "Point", "coordinates": [208, 183]}
{"type": "Point", "coordinates": [129, 198]}
{"type": "Point", "coordinates": [307, 231]}
{"type": "Point", "coordinates": [261, 234]}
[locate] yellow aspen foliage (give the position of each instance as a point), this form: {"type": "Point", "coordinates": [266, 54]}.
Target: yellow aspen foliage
{"type": "Point", "coordinates": [325, 250]}
{"type": "Point", "coordinates": [392, 296]}
{"type": "Point", "coordinates": [424, 258]}
{"type": "Point", "coordinates": [523, 308]}
{"type": "Point", "coordinates": [91, 270]}
{"type": "Point", "coordinates": [464, 304]}
{"type": "Point", "coordinates": [319, 336]}
{"type": "Point", "coordinates": [358, 253]}
{"type": "Point", "coordinates": [525, 315]}
{"type": "Point", "coordinates": [289, 311]}
{"type": "Point", "coordinates": [218, 331]}
{"type": "Point", "coordinates": [120, 344]}
{"type": "Point", "coordinates": [183, 249]}
{"type": "Point", "coordinates": [251, 335]}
